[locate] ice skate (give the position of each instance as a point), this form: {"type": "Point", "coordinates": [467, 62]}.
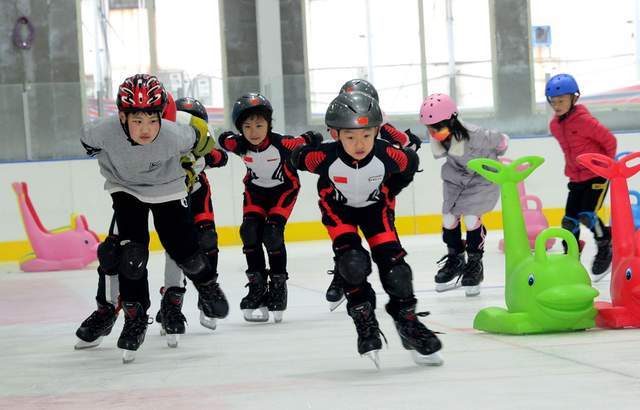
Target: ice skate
{"type": "Point", "coordinates": [277, 296]}
{"type": "Point", "coordinates": [335, 292]}
{"type": "Point", "coordinates": [602, 262]}
{"type": "Point", "coordinates": [134, 330]}
{"type": "Point", "coordinates": [170, 315]}
{"type": "Point", "coordinates": [369, 342]}
{"type": "Point", "coordinates": [416, 337]}
{"type": "Point", "coordinates": [450, 272]}
{"type": "Point", "coordinates": [212, 303]}
{"type": "Point", "coordinates": [473, 274]}
{"type": "Point", "coordinates": [96, 326]}
{"type": "Point", "coordinates": [254, 305]}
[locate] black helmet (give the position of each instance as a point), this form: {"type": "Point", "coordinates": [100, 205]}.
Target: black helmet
{"type": "Point", "coordinates": [363, 86]}
{"type": "Point", "coordinates": [250, 101]}
{"type": "Point", "coordinates": [353, 110]}
{"type": "Point", "coordinates": [193, 107]}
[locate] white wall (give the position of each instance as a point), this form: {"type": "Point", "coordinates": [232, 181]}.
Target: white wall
{"type": "Point", "coordinates": [58, 188]}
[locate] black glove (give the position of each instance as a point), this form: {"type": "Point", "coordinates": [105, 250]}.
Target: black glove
{"type": "Point", "coordinates": [313, 138]}
{"type": "Point", "coordinates": [414, 141]}
{"type": "Point", "coordinates": [216, 158]}
{"type": "Point", "coordinates": [242, 145]}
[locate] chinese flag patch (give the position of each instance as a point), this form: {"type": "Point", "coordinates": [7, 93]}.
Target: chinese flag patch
{"type": "Point", "coordinates": [248, 159]}
{"type": "Point", "coordinates": [340, 180]}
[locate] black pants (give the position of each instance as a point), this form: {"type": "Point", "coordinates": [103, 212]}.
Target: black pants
{"type": "Point", "coordinates": [584, 200]}
{"type": "Point", "coordinates": [175, 228]}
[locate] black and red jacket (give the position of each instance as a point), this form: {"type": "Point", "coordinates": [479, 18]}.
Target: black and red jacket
{"type": "Point", "coordinates": [354, 183]}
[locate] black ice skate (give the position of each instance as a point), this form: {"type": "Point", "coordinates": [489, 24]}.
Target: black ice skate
{"type": "Point", "coordinates": [417, 338]}
{"type": "Point", "coordinates": [369, 342]}
{"type": "Point", "coordinates": [277, 295]}
{"type": "Point", "coordinates": [254, 305]}
{"type": "Point", "coordinates": [96, 326]}
{"type": "Point", "coordinates": [212, 303]}
{"type": "Point", "coordinates": [473, 274]}
{"type": "Point", "coordinates": [335, 292]}
{"type": "Point", "coordinates": [134, 330]}
{"type": "Point", "coordinates": [602, 262]}
{"type": "Point", "coordinates": [448, 276]}
{"type": "Point", "coordinates": [170, 315]}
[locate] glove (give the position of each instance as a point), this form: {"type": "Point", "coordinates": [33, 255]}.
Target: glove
{"type": "Point", "coordinates": [414, 141]}
{"type": "Point", "coordinates": [227, 140]}
{"type": "Point", "coordinates": [187, 162]}
{"type": "Point", "coordinates": [313, 138]}
{"type": "Point", "coordinates": [204, 142]}
{"type": "Point", "coordinates": [216, 158]}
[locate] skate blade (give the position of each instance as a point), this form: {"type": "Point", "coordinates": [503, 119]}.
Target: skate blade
{"type": "Point", "coordinates": [172, 340]}
{"type": "Point", "coordinates": [162, 331]}
{"type": "Point", "coordinates": [208, 322]}
{"type": "Point", "coordinates": [598, 278]}
{"type": "Point", "coordinates": [87, 345]}
{"type": "Point", "coordinates": [374, 357]}
{"type": "Point", "coordinates": [445, 287]}
{"type": "Point", "coordinates": [472, 290]}
{"type": "Point", "coordinates": [128, 356]}
{"type": "Point", "coordinates": [334, 305]}
{"type": "Point", "coordinates": [433, 359]}
{"type": "Point", "coordinates": [277, 315]}
{"type": "Point", "coordinates": [256, 315]}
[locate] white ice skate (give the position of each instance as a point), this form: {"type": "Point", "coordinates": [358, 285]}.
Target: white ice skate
{"type": "Point", "coordinates": [260, 314]}
{"type": "Point", "coordinates": [208, 322]}
{"type": "Point", "coordinates": [472, 290]}
{"type": "Point", "coordinates": [277, 315]}
{"type": "Point", "coordinates": [81, 344]}
{"type": "Point", "coordinates": [173, 339]}
{"type": "Point", "coordinates": [433, 359]}
{"type": "Point", "coordinates": [374, 356]}
{"type": "Point", "coordinates": [444, 287]}
{"type": "Point", "coordinates": [128, 356]}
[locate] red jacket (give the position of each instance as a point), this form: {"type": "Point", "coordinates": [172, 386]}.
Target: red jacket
{"type": "Point", "coordinates": [581, 133]}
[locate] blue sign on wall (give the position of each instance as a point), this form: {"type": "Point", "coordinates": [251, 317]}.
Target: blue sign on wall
{"type": "Point", "coordinates": [541, 36]}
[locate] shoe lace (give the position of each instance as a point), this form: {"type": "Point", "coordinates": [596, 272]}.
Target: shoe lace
{"type": "Point", "coordinates": [173, 313]}
{"type": "Point", "coordinates": [446, 261]}
{"type": "Point", "coordinates": [414, 326]}
{"type": "Point", "coordinates": [97, 318]}
{"type": "Point", "coordinates": [368, 326]}
{"type": "Point", "coordinates": [135, 325]}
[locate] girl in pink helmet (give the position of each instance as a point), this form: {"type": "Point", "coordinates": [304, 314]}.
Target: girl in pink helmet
{"type": "Point", "coordinates": [465, 193]}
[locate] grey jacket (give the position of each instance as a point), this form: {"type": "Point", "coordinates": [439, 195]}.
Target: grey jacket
{"type": "Point", "coordinates": [151, 172]}
{"type": "Point", "coordinates": [464, 191]}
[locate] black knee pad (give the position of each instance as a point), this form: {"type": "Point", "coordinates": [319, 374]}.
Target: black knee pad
{"type": "Point", "coordinates": [354, 266]}
{"type": "Point", "coordinates": [109, 255]}
{"type": "Point", "coordinates": [273, 236]}
{"type": "Point", "coordinates": [207, 238]}
{"type": "Point", "coordinates": [249, 232]}
{"type": "Point", "coordinates": [197, 268]}
{"type": "Point", "coordinates": [133, 260]}
{"type": "Point", "coordinates": [397, 282]}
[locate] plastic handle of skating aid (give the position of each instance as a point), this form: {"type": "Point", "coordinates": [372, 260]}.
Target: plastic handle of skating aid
{"type": "Point", "coordinates": [534, 199]}
{"type": "Point", "coordinates": [541, 242]}
{"type": "Point", "coordinates": [599, 164]}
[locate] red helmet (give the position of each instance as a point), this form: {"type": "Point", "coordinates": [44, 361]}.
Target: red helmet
{"type": "Point", "coordinates": [170, 110]}
{"type": "Point", "coordinates": [141, 92]}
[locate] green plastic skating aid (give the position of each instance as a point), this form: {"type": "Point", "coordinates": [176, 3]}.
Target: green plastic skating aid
{"type": "Point", "coordinates": [544, 293]}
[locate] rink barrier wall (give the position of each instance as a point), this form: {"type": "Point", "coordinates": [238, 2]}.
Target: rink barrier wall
{"type": "Point", "coordinates": [309, 231]}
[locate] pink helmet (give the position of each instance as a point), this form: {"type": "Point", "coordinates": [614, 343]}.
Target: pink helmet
{"type": "Point", "coordinates": [436, 108]}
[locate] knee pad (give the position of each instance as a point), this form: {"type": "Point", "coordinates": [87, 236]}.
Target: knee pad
{"type": "Point", "coordinates": [273, 237]}
{"type": "Point", "coordinates": [197, 268]}
{"type": "Point", "coordinates": [588, 219]}
{"type": "Point", "coordinates": [354, 266]}
{"type": "Point", "coordinates": [450, 221]}
{"type": "Point", "coordinates": [472, 222]}
{"type": "Point", "coordinates": [133, 260]}
{"type": "Point", "coordinates": [207, 238]}
{"type": "Point", "coordinates": [249, 232]}
{"type": "Point", "coordinates": [570, 224]}
{"type": "Point", "coordinates": [109, 255]}
{"type": "Point", "coordinates": [398, 281]}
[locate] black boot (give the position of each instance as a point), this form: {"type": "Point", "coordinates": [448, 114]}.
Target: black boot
{"type": "Point", "coordinates": [364, 318]}
{"type": "Point", "coordinates": [256, 299]}
{"type": "Point", "coordinates": [602, 261]}
{"type": "Point", "coordinates": [473, 274]}
{"type": "Point", "coordinates": [415, 336]}
{"type": "Point", "coordinates": [212, 303]}
{"type": "Point", "coordinates": [277, 295]}
{"type": "Point", "coordinates": [335, 291]}
{"type": "Point", "coordinates": [97, 325]}
{"type": "Point", "coordinates": [135, 326]}
{"type": "Point", "coordinates": [448, 276]}
{"type": "Point", "coordinates": [170, 314]}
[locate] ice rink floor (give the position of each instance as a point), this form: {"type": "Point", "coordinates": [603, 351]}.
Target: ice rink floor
{"type": "Point", "coordinates": [309, 361]}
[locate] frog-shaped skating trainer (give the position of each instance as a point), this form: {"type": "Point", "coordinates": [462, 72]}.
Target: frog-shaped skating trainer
{"type": "Point", "coordinates": [543, 293]}
{"type": "Point", "coordinates": [624, 309]}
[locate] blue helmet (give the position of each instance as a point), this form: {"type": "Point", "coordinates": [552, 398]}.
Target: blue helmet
{"type": "Point", "coordinates": [561, 84]}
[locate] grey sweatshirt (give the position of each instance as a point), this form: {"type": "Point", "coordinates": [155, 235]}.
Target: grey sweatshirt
{"type": "Point", "coordinates": [151, 172]}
